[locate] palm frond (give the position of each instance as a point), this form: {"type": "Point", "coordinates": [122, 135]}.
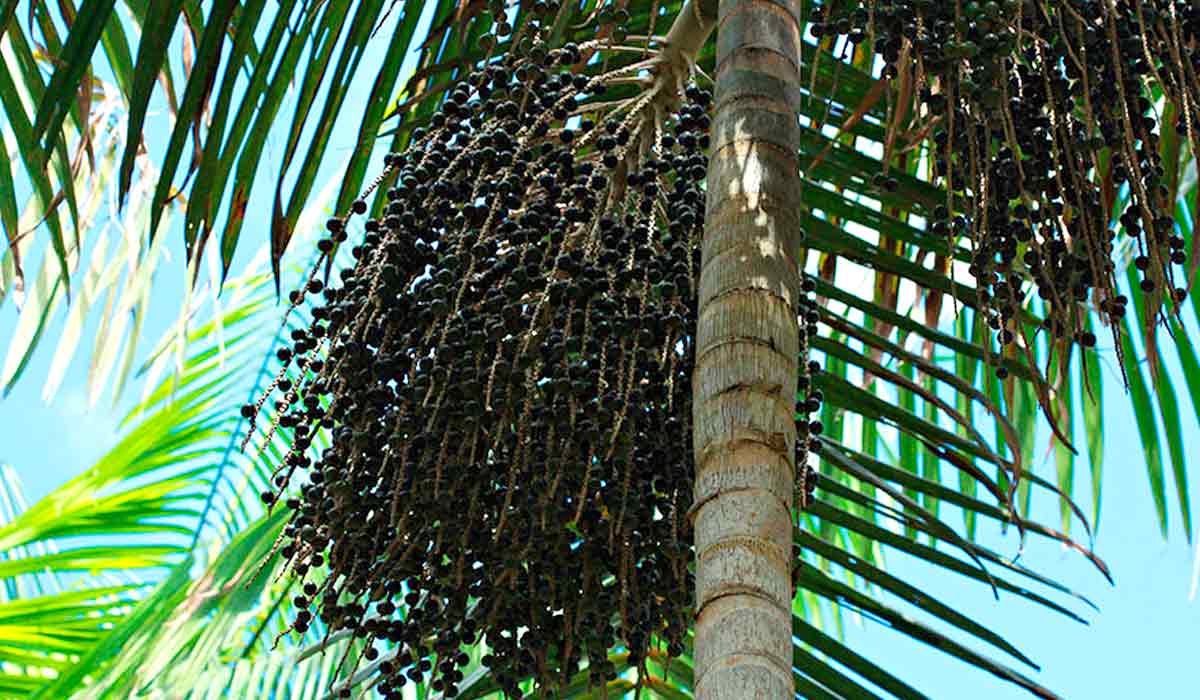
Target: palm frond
{"type": "Point", "coordinates": [85, 556]}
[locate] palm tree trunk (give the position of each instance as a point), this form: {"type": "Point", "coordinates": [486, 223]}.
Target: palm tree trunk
{"type": "Point", "coordinates": [747, 354]}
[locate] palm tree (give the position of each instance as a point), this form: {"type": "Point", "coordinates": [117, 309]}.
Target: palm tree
{"type": "Point", "coordinates": [852, 127]}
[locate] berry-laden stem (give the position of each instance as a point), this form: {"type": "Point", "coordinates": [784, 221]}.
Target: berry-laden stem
{"type": "Point", "coordinates": [747, 357]}
{"type": "Point", "coordinates": [688, 34]}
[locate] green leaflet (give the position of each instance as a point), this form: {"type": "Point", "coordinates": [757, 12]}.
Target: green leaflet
{"type": "Point", "coordinates": [910, 594]}
{"type": "Point", "coordinates": [967, 369]}
{"type": "Point", "coordinates": [158, 27]}
{"type": "Point", "coordinates": [248, 159]}
{"type": "Point", "coordinates": [284, 221]}
{"type": "Point", "coordinates": [381, 95]}
{"type": "Point", "coordinates": [31, 154]}
{"type": "Point", "coordinates": [841, 653]}
{"type": "Point", "coordinates": [833, 590]}
{"type": "Point", "coordinates": [1144, 414]}
{"type": "Point", "coordinates": [1064, 458]}
{"type": "Point", "coordinates": [1092, 400]}
{"type": "Point", "coordinates": [208, 57]}
{"type": "Point", "coordinates": [74, 59]}
{"type": "Point", "coordinates": [1168, 404]}
{"type": "Point", "coordinates": [201, 212]}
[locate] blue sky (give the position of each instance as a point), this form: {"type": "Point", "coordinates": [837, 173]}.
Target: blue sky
{"type": "Point", "coordinates": [1142, 643]}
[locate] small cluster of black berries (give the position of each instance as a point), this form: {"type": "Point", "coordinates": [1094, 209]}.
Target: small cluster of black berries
{"type": "Point", "coordinates": [1041, 112]}
{"type": "Point", "coordinates": [505, 378]}
{"type": "Point", "coordinates": [808, 429]}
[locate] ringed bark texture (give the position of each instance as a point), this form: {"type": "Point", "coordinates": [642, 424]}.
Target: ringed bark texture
{"type": "Point", "coordinates": [747, 354]}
